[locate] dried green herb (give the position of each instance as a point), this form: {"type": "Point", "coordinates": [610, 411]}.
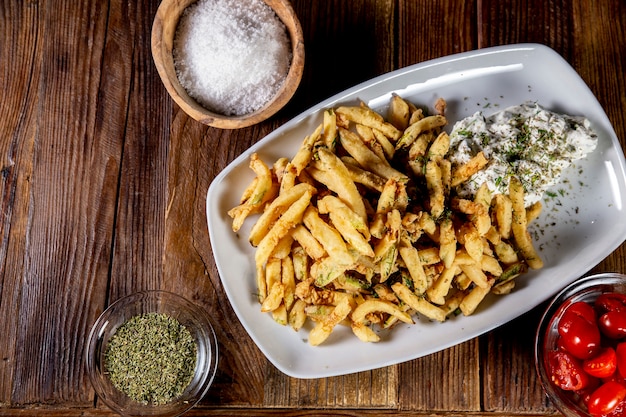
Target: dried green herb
{"type": "Point", "coordinates": [151, 358]}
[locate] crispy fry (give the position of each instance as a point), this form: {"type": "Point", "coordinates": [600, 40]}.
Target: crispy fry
{"type": "Point", "coordinates": [463, 172]}
{"type": "Point", "coordinates": [399, 112]}
{"type": "Point", "coordinates": [290, 218]}
{"type": "Point", "coordinates": [368, 117]}
{"type": "Point", "coordinates": [328, 236]}
{"type": "Point", "coordinates": [365, 157]}
{"type": "Point", "coordinates": [323, 329]}
{"type": "Point", "coordinates": [257, 196]}
{"type": "Point", "coordinates": [520, 225]}
{"type": "Point", "coordinates": [417, 303]}
{"type": "Point", "coordinates": [340, 182]}
{"type": "Point", "coordinates": [276, 208]}
{"type": "Point", "coordinates": [413, 131]}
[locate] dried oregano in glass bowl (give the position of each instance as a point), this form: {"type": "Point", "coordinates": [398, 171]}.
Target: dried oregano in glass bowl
{"type": "Point", "coordinates": [151, 358]}
{"type": "Point", "coordinates": [152, 353]}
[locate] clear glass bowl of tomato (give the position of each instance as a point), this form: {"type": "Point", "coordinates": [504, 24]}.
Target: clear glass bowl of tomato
{"type": "Point", "coordinates": [580, 341]}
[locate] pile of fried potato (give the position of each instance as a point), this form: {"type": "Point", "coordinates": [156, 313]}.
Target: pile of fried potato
{"type": "Point", "coordinates": [363, 227]}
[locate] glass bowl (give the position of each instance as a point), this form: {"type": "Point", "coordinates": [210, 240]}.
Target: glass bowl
{"type": "Point", "coordinates": [585, 289]}
{"type": "Point", "coordinates": [187, 314]}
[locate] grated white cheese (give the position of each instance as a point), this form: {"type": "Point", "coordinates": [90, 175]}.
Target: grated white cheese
{"type": "Point", "coordinates": [231, 56]}
{"type": "Point", "coordinates": [527, 141]}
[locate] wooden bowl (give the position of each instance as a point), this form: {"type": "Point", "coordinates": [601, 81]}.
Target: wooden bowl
{"type": "Point", "coordinates": [163, 31]}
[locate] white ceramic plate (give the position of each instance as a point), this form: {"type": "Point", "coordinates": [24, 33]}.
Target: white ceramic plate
{"type": "Point", "coordinates": [583, 224]}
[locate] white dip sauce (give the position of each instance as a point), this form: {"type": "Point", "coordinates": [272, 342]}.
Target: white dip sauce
{"type": "Point", "coordinates": [526, 141]}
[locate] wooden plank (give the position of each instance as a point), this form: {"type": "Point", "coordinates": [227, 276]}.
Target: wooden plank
{"type": "Point", "coordinates": [138, 246]}
{"type": "Point", "coordinates": [346, 43]}
{"type": "Point", "coordinates": [510, 382]}
{"type": "Point", "coordinates": [432, 29]}
{"type": "Point", "coordinates": [18, 133]}
{"type": "Point", "coordinates": [62, 235]}
{"type": "Point", "coordinates": [434, 382]}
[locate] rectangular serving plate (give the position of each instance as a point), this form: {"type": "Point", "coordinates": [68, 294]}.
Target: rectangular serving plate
{"type": "Point", "coordinates": [580, 225]}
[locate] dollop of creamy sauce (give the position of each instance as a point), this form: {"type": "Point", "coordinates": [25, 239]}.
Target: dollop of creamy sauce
{"type": "Point", "coordinates": [526, 141]}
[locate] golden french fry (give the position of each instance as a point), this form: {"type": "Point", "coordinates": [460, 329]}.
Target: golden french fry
{"type": "Point", "coordinates": [364, 332]}
{"type": "Point", "coordinates": [413, 131]}
{"type": "Point", "coordinates": [418, 303]}
{"type": "Point", "coordinates": [491, 265]}
{"type": "Point", "coordinates": [447, 243]}
{"type": "Point", "coordinates": [339, 181]}
{"type": "Point", "coordinates": [329, 132]}
{"type": "Point", "coordinates": [280, 315]}
{"type": "Point", "coordinates": [326, 270]}
{"type": "Point", "coordinates": [365, 157]}
{"type": "Point", "coordinates": [435, 188]}
{"type": "Point", "coordinates": [309, 243]}
{"type": "Point", "coordinates": [463, 172]}
{"type": "Point", "coordinates": [506, 253]}
{"type": "Point", "coordinates": [282, 248]}
{"type": "Point", "coordinates": [439, 290]}
{"type": "Point", "coordinates": [388, 148]}
{"type": "Point", "coordinates": [328, 236]}
{"type": "Point", "coordinates": [300, 261]}
{"type": "Point", "coordinates": [368, 117]}
{"type": "Point", "coordinates": [473, 299]}
{"type": "Point", "coordinates": [276, 209]}
{"type": "Point", "coordinates": [439, 148]}
{"type": "Point", "coordinates": [417, 153]}
{"type": "Point", "coordinates": [471, 240]}
{"type": "Point", "coordinates": [274, 298]}
{"type": "Point", "coordinates": [364, 177]}
{"type": "Point", "coordinates": [297, 317]}
{"type": "Point", "coordinates": [305, 153]}
{"type": "Point", "coordinates": [367, 136]}
{"type": "Point", "coordinates": [261, 283]}
{"type": "Point", "coordinates": [290, 218]}
{"type": "Point", "coordinates": [533, 211]}
{"type": "Point", "coordinates": [386, 250]}
{"type": "Point", "coordinates": [520, 225]}
{"type": "Point", "coordinates": [263, 191]}
{"type": "Point", "coordinates": [348, 224]}
{"type": "Point", "coordinates": [475, 273]}
{"type": "Point", "coordinates": [504, 215]}
{"type": "Point", "coordinates": [288, 279]}
{"type": "Point", "coordinates": [360, 313]}
{"type": "Point", "coordinates": [399, 112]}
{"type": "Point", "coordinates": [411, 258]}
{"type": "Point", "coordinates": [324, 328]}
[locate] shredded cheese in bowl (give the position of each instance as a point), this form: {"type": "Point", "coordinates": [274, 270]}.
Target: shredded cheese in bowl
{"type": "Point", "coordinates": [526, 141]}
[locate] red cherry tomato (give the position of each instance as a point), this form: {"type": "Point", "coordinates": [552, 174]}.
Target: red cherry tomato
{"type": "Point", "coordinates": [566, 372]}
{"type": "Point", "coordinates": [620, 351]}
{"type": "Point", "coordinates": [610, 301]}
{"type": "Point", "coordinates": [606, 399]}
{"type": "Point", "coordinates": [585, 393]}
{"type": "Point", "coordinates": [602, 365]}
{"type": "Point", "coordinates": [613, 324]}
{"type": "Point", "coordinates": [580, 335]}
{"type": "Point", "coordinates": [583, 309]}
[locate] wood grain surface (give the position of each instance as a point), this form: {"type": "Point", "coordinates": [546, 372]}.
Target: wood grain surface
{"type": "Point", "coordinates": [103, 185]}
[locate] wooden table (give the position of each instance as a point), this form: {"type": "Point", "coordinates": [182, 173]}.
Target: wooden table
{"type": "Point", "coordinates": [104, 181]}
